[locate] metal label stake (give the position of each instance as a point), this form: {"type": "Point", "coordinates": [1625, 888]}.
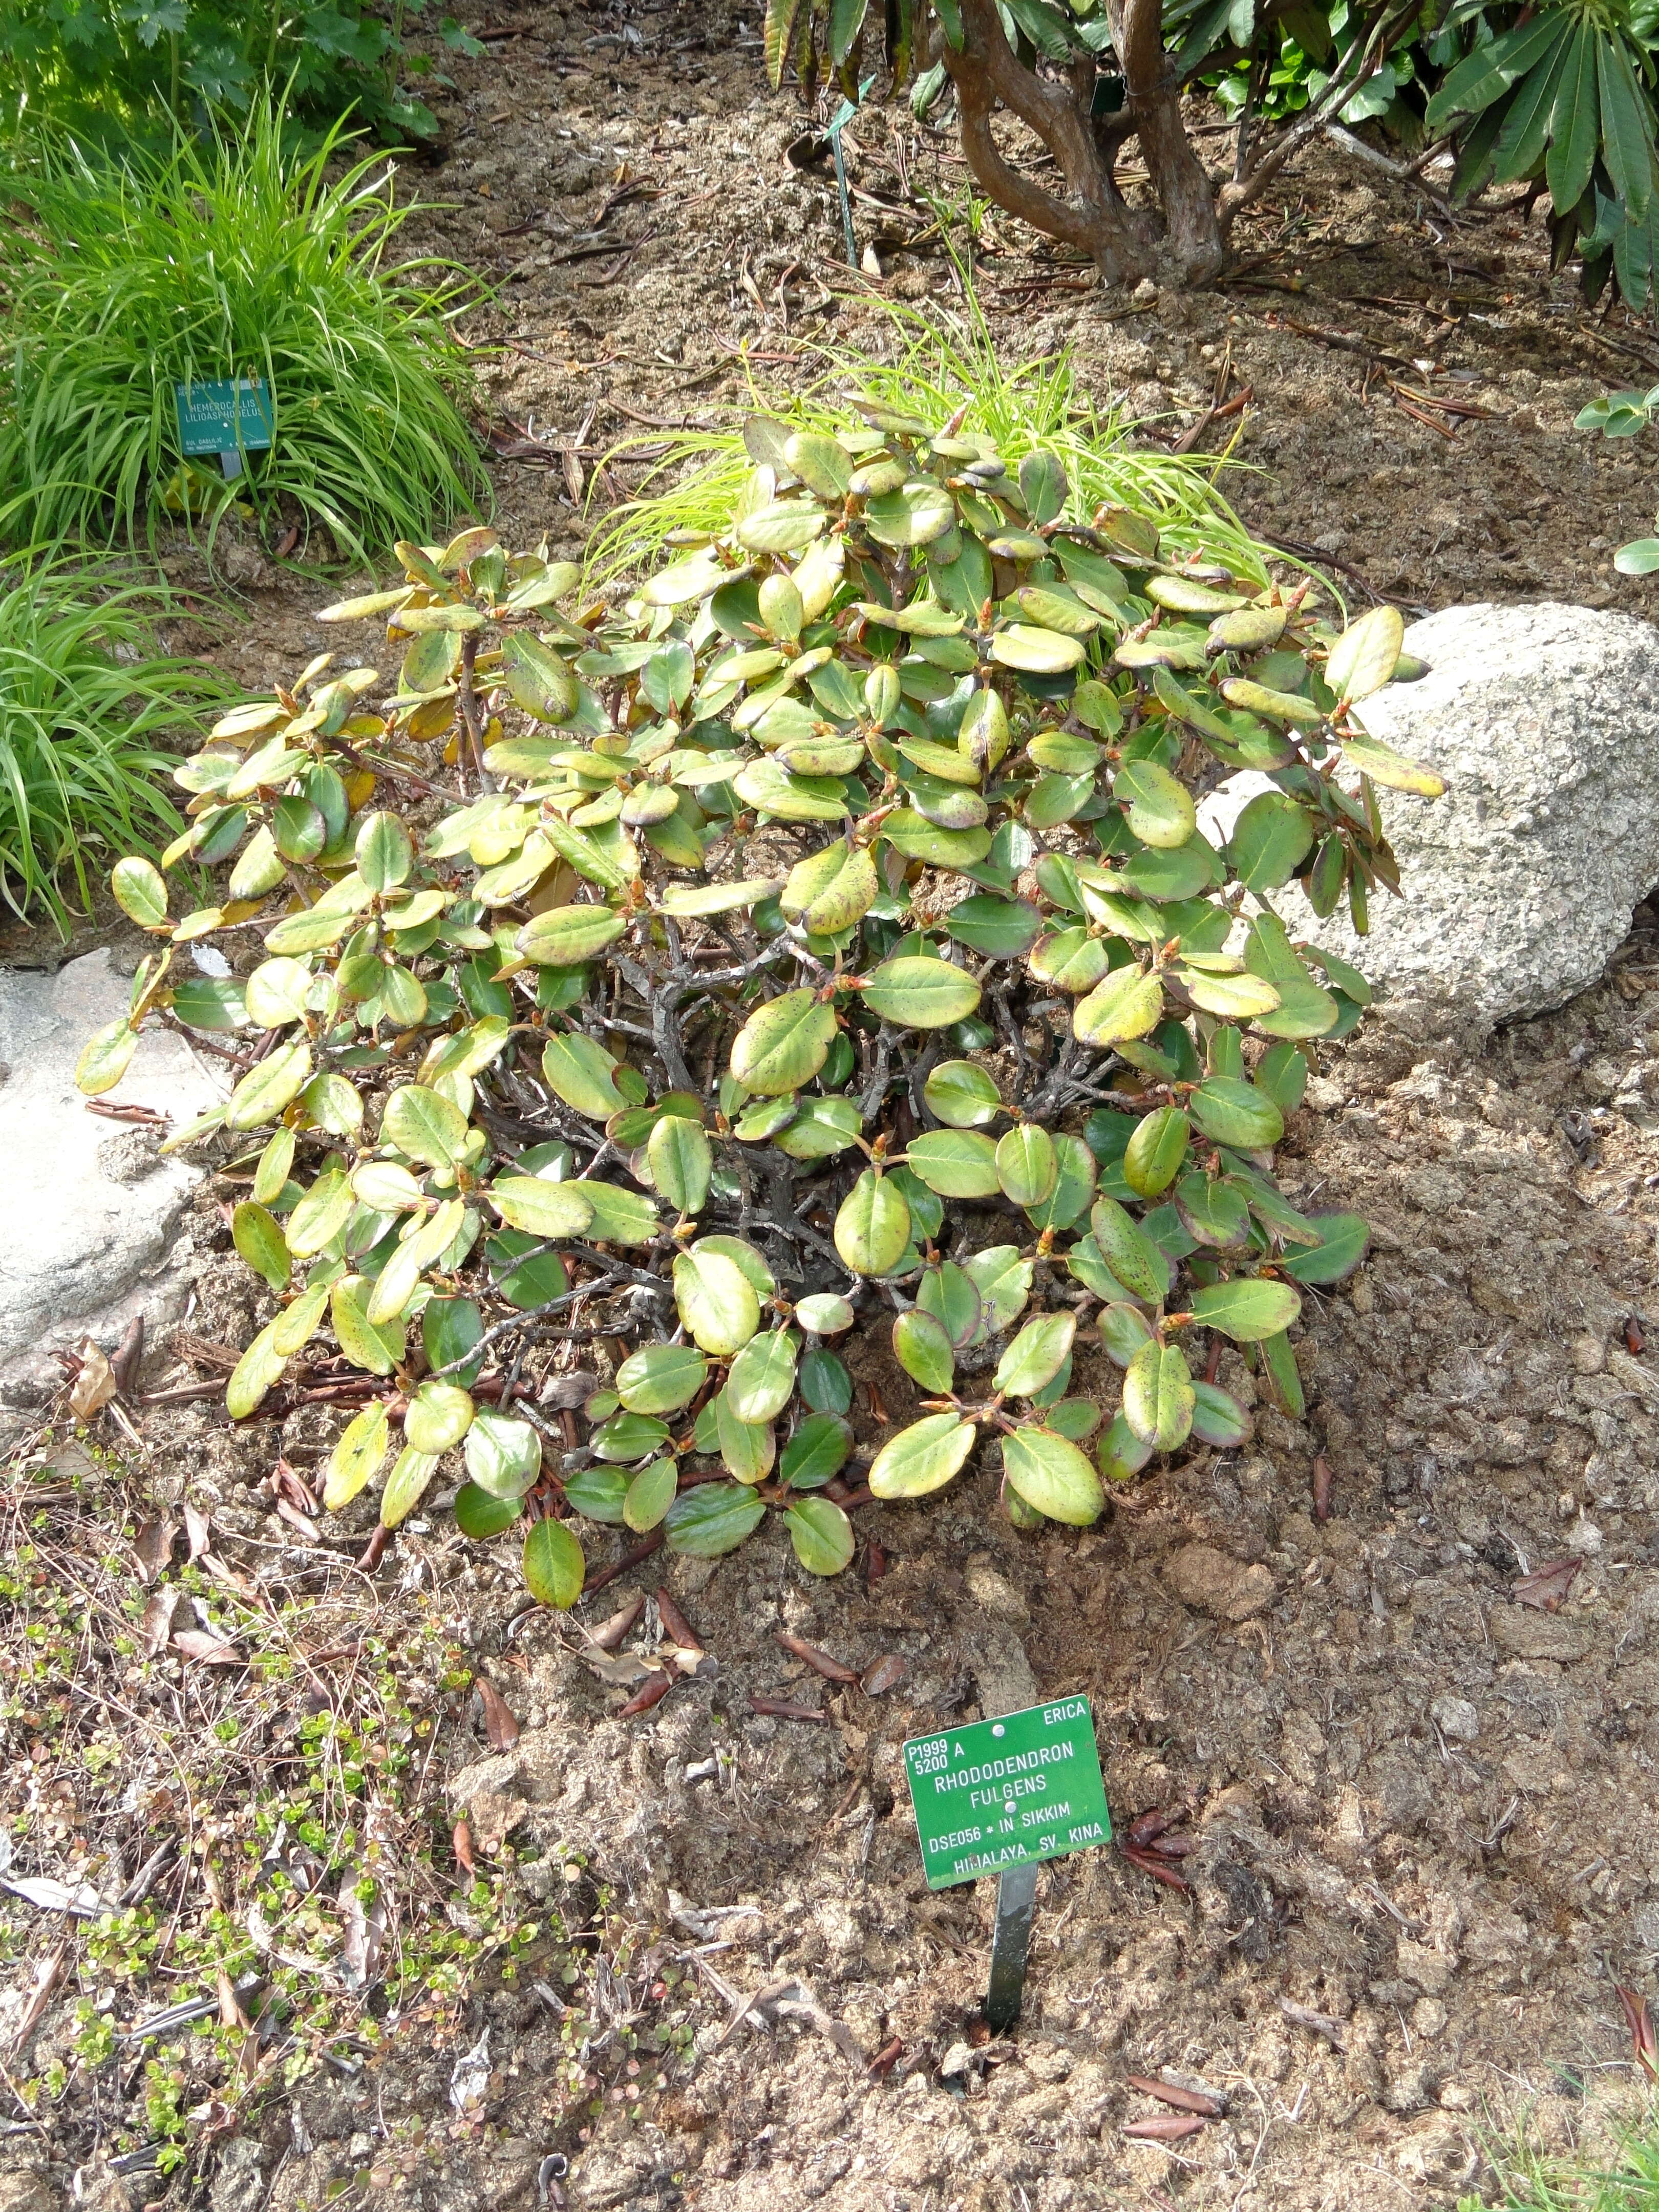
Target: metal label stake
{"type": "Point", "coordinates": [1016, 1910]}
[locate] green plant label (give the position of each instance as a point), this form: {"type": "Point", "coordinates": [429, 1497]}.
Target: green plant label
{"type": "Point", "coordinates": [1002, 1792]}
{"type": "Point", "coordinates": [230, 419]}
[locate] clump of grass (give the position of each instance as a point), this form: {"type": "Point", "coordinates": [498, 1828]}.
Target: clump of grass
{"type": "Point", "coordinates": [231, 256]}
{"type": "Point", "coordinates": [1620, 2172]}
{"type": "Point", "coordinates": [85, 697]}
{"type": "Point", "coordinates": [942, 361]}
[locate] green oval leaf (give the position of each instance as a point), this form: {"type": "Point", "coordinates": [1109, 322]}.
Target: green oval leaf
{"type": "Point", "coordinates": [762, 1378]}
{"type": "Point", "coordinates": [650, 1494]}
{"type": "Point", "coordinates": [1027, 1168]}
{"type": "Point", "coordinates": [1231, 1110]}
{"type": "Point", "coordinates": [257, 1236]}
{"type": "Point", "coordinates": [816, 1452]}
{"type": "Point", "coordinates": [923, 1457]}
{"type": "Point", "coordinates": [504, 1456]}
{"type": "Point", "coordinates": [539, 1207]}
{"type": "Point", "coordinates": [955, 1163]}
{"type": "Point", "coordinates": [1035, 1357]}
{"type": "Point", "coordinates": [712, 1519]}
{"type": "Point", "coordinates": [660, 1378]}
{"type": "Point", "coordinates": [925, 1352]}
{"type": "Point", "coordinates": [872, 1227]}
{"type": "Point", "coordinates": [1152, 1158]}
{"type": "Point", "coordinates": [1128, 1004]}
{"type": "Point", "coordinates": [357, 1456]}
{"type": "Point", "coordinates": [1050, 1473]}
{"type": "Point", "coordinates": [1157, 1396]}
{"type": "Point", "coordinates": [783, 1044]}
{"type": "Point", "coordinates": [716, 1300]}
{"type": "Point", "coordinates": [411, 1471]}
{"type": "Point", "coordinates": [140, 891]}
{"type": "Point", "coordinates": [554, 1568]}
{"type": "Point", "coordinates": [566, 935]}
{"type": "Point", "coordinates": [919, 994]}
{"type": "Point", "coordinates": [820, 1534]}
{"type": "Point", "coordinates": [960, 1094]}
{"type": "Point", "coordinates": [425, 1126]}
{"type": "Point", "coordinates": [439, 1416]}
{"type": "Point", "coordinates": [1248, 1309]}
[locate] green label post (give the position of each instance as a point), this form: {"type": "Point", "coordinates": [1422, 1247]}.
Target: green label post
{"type": "Point", "coordinates": [230, 419]}
{"type": "Point", "coordinates": [997, 1796]}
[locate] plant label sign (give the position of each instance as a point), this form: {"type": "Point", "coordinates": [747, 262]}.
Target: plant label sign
{"type": "Point", "coordinates": [230, 419]}
{"type": "Point", "coordinates": [1003, 1793]}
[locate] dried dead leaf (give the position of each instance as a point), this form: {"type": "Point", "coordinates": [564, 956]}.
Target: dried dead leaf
{"type": "Point", "coordinates": [46, 1977]}
{"type": "Point", "coordinates": [625, 1672]}
{"type": "Point", "coordinates": [365, 1930]}
{"type": "Point", "coordinates": [500, 1726]}
{"type": "Point", "coordinates": [153, 1546]}
{"type": "Point", "coordinates": [886, 1674]}
{"type": "Point", "coordinates": [675, 1625]}
{"type": "Point", "coordinates": [783, 1709]}
{"type": "Point", "coordinates": [609, 1635]}
{"type": "Point", "coordinates": [156, 1624]}
{"type": "Point", "coordinates": [197, 1534]}
{"type": "Point", "coordinates": [1547, 1586]}
{"type": "Point", "coordinates": [460, 1841]}
{"type": "Point", "coordinates": [1169, 2092]}
{"type": "Point", "coordinates": [820, 1661]}
{"type": "Point", "coordinates": [1645, 2037]}
{"type": "Point", "coordinates": [211, 1650]}
{"type": "Point", "coordinates": [1163, 2127]}
{"type": "Point", "coordinates": [94, 1386]}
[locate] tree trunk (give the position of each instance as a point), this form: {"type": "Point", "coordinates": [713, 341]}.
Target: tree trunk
{"type": "Point", "coordinates": [1096, 219]}
{"type": "Point", "coordinates": [1151, 108]}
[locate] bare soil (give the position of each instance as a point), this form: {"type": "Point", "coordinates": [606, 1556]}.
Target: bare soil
{"type": "Point", "coordinates": [1422, 1809]}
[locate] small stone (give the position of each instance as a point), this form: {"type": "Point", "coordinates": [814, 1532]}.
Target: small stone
{"type": "Point", "coordinates": [1209, 1581]}
{"type": "Point", "coordinates": [993, 1591]}
{"type": "Point", "coordinates": [1428, 2016]}
{"type": "Point", "coordinates": [1362, 1297]}
{"type": "Point", "coordinates": [1144, 293]}
{"type": "Point", "coordinates": [1455, 1717]}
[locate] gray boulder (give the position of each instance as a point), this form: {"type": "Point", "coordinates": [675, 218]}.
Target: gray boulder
{"type": "Point", "coordinates": [90, 1211]}
{"type": "Point", "coordinates": [1544, 720]}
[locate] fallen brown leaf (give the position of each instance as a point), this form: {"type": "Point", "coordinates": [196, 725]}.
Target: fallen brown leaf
{"type": "Point", "coordinates": [197, 1533]}
{"type": "Point", "coordinates": [1164, 2127]}
{"type": "Point", "coordinates": [782, 1709]}
{"type": "Point", "coordinates": [886, 1674]}
{"type": "Point", "coordinates": [500, 1726]}
{"type": "Point", "coordinates": [1321, 1488]}
{"type": "Point", "coordinates": [47, 1975]}
{"type": "Point", "coordinates": [1159, 1868]}
{"type": "Point", "coordinates": [1645, 2037]}
{"type": "Point", "coordinates": [675, 1625]}
{"type": "Point", "coordinates": [1184, 2100]}
{"type": "Point", "coordinates": [157, 1623]}
{"type": "Point", "coordinates": [94, 1386]}
{"type": "Point", "coordinates": [1547, 1586]}
{"type": "Point", "coordinates": [885, 2059]}
{"type": "Point", "coordinates": [820, 1661]}
{"type": "Point", "coordinates": [460, 1843]}
{"type": "Point", "coordinates": [611, 1634]}
{"type": "Point", "coordinates": [153, 1546]}
{"type": "Point", "coordinates": [1146, 1827]}
{"type": "Point", "coordinates": [643, 1701]}
{"type": "Point", "coordinates": [211, 1651]}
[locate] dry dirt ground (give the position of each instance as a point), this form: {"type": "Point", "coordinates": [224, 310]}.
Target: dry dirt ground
{"type": "Point", "coordinates": [1422, 1810]}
